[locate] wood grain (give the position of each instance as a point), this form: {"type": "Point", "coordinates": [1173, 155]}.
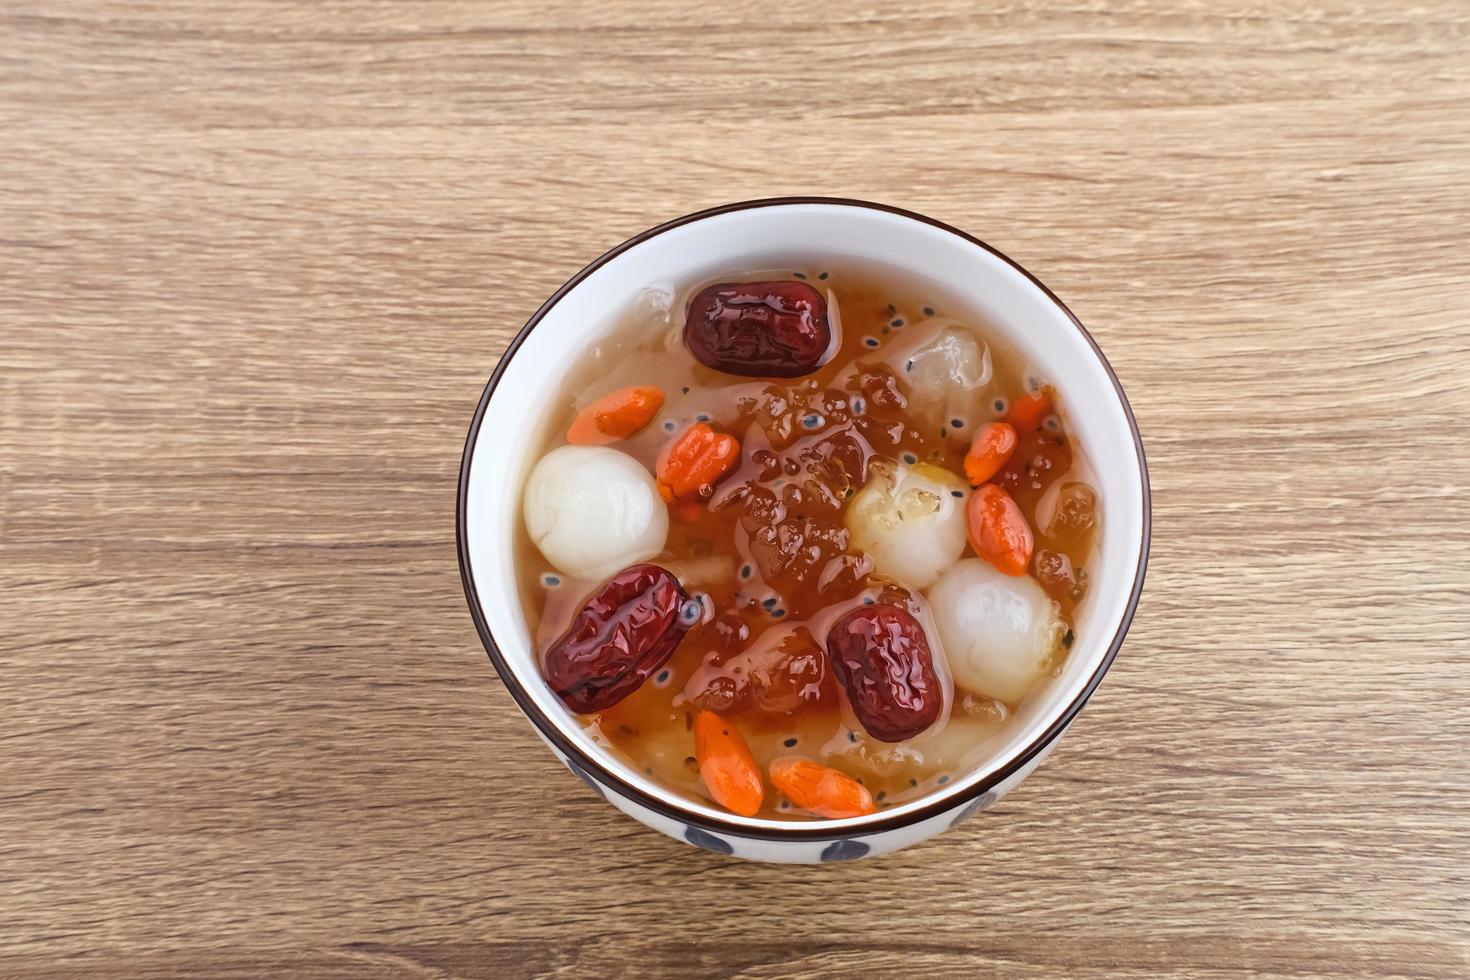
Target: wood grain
{"type": "Point", "coordinates": [257, 260]}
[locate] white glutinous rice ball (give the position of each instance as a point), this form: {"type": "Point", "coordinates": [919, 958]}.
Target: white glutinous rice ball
{"type": "Point", "coordinates": [593, 511]}
{"type": "Point", "coordinates": [911, 521]}
{"type": "Point", "coordinates": [998, 630]}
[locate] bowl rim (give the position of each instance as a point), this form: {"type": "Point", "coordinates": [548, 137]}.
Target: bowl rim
{"type": "Point", "coordinates": [942, 802]}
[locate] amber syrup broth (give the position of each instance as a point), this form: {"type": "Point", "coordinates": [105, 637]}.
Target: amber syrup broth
{"type": "Point", "coordinates": [777, 590]}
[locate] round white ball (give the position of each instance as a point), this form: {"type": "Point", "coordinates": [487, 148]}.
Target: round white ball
{"type": "Point", "coordinates": [593, 511]}
{"type": "Point", "coordinates": [998, 630]}
{"type": "Point", "coordinates": [910, 520]}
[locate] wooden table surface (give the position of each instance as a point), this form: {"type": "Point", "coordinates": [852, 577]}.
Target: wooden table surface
{"type": "Point", "coordinates": [257, 260]}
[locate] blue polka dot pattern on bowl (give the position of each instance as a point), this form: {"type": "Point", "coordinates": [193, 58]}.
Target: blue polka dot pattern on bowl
{"type": "Point", "coordinates": [844, 850]}
{"type": "Point", "coordinates": [976, 805]}
{"type": "Point", "coordinates": [709, 842]}
{"type": "Point", "coordinates": [582, 774]}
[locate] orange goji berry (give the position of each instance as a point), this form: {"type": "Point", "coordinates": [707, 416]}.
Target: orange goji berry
{"type": "Point", "coordinates": [998, 530]}
{"type": "Point", "coordinates": [820, 789]}
{"type": "Point", "coordinates": [615, 416]}
{"type": "Point", "coordinates": [1029, 411]}
{"type": "Point", "coordinates": [692, 464]}
{"type": "Point", "coordinates": [991, 449]}
{"type": "Point", "coordinates": [726, 765]}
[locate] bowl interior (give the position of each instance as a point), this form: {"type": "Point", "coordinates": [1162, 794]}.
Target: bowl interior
{"type": "Point", "coordinates": [791, 234]}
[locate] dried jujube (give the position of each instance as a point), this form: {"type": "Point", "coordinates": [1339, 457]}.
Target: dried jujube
{"type": "Point", "coordinates": [881, 656]}
{"type": "Point", "coordinates": [625, 632]}
{"type": "Point", "coordinates": [773, 329]}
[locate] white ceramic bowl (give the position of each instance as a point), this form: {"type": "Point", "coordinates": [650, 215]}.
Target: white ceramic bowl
{"type": "Point", "coordinates": [511, 420]}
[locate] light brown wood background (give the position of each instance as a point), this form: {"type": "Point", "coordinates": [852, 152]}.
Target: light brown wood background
{"type": "Point", "coordinates": [257, 260]}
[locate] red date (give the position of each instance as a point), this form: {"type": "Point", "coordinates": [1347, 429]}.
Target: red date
{"type": "Point", "coordinates": [881, 656]}
{"type": "Point", "coordinates": [759, 329]}
{"type": "Point", "coordinates": [627, 630]}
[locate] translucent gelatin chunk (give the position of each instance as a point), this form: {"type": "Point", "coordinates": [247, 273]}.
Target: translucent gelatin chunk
{"type": "Point", "coordinates": [946, 377]}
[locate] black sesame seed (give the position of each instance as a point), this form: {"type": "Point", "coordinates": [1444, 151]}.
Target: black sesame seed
{"type": "Point", "coordinates": [868, 600]}
{"type": "Point", "coordinates": [1000, 404]}
{"type": "Point", "coordinates": [913, 782]}
{"type": "Point", "coordinates": [811, 421]}
{"type": "Point", "coordinates": [928, 311]}
{"type": "Point", "coordinates": [669, 426]}
{"type": "Point", "coordinates": [702, 417]}
{"type": "Point", "coordinates": [745, 571]}
{"type": "Point", "coordinates": [799, 275]}
{"type": "Point", "coordinates": [956, 493]}
{"type": "Point", "coordinates": [910, 458]}
{"type": "Point", "coordinates": [1068, 639]}
{"type": "Point", "coordinates": [685, 389]}
{"type": "Point", "coordinates": [552, 580]}
{"type": "Point", "coordinates": [957, 423]}
{"type": "Point", "coordinates": [789, 743]}
{"type": "Point", "coordinates": [770, 603]}
{"type": "Point", "coordinates": [821, 275]}
{"type": "Point", "coordinates": [852, 736]}
{"type": "Point", "coordinates": [943, 432]}
{"type": "Point", "coordinates": [942, 780]}
{"type": "Point", "coordinates": [896, 323]}
{"type": "Point", "coordinates": [871, 341]}
{"type": "Point", "coordinates": [777, 614]}
{"type": "Point", "coordinates": [663, 675]}
{"type": "Point", "coordinates": [909, 366]}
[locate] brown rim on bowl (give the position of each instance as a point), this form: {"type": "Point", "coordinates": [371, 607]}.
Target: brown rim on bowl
{"type": "Point", "coordinates": [939, 803]}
